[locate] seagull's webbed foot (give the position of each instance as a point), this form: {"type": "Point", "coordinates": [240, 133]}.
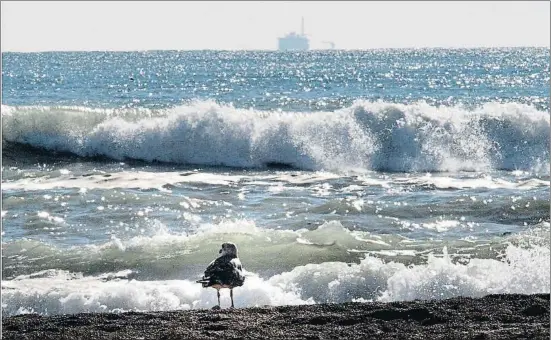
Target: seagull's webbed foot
{"type": "Point", "coordinates": [216, 307]}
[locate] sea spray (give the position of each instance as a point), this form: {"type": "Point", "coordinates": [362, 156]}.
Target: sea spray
{"type": "Point", "coordinates": [523, 271]}
{"type": "Point", "coordinates": [368, 135]}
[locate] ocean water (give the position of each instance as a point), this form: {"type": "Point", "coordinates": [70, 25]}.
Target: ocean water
{"type": "Point", "coordinates": [377, 175]}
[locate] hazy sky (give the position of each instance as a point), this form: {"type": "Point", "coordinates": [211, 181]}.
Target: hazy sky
{"type": "Point", "coordinates": [108, 25]}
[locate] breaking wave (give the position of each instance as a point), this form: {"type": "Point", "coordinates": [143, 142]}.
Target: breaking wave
{"type": "Point", "coordinates": [522, 270]}
{"type": "Point", "coordinates": [367, 135]}
{"type": "Point", "coordinates": [312, 266]}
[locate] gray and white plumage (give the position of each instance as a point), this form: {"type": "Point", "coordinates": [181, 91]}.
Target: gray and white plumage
{"type": "Point", "coordinates": [224, 272]}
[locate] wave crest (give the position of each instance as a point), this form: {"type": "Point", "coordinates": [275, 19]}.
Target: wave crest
{"type": "Point", "coordinates": [365, 136]}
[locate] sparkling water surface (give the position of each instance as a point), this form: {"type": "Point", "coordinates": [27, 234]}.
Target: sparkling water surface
{"type": "Point", "coordinates": [341, 176]}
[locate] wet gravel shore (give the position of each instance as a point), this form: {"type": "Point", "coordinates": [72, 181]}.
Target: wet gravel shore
{"type": "Point", "coordinates": [492, 317]}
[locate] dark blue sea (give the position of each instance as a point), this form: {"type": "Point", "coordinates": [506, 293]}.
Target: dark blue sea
{"type": "Point", "coordinates": [380, 175]}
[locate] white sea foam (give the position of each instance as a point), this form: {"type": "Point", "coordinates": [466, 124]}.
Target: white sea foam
{"type": "Point", "coordinates": [158, 180]}
{"type": "Point", "coordinates": [44, 215]}
{"type": "Point", "coordinates": [274, 183]}
{"type": "Point", "coordinates": [121, 180]}
{"type": "Point", "coordinates": [446, 182]}
{"type": "Point", "coordinates": [522, 270]}
{"type": "Point", "coordinates": [61, 293]}
{"type": "Point", "coordinates": [367, 135]}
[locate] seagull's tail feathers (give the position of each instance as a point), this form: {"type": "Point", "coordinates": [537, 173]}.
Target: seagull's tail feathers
{"type": "Point", "coordinates": [203, 281]}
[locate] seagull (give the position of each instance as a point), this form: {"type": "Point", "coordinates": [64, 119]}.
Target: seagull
{"type": "Point", "coordinates": [224, 272]}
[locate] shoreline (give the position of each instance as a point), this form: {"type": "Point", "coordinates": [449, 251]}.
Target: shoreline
{"type": "Point", "coordinates": [498, 316]}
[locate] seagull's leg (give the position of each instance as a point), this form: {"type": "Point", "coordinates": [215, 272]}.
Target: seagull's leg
{"type": "Point", "coordinates": [231, 295]}
{"type": "Point", "coordinates": [217, 293]}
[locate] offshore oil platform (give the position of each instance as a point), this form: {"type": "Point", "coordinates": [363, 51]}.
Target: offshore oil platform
{"type": "Point", "coordinates": [294, 41]}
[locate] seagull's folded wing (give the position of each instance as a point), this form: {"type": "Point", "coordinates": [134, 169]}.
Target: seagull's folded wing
{"type": "Point", "coordinates": [215, 266]}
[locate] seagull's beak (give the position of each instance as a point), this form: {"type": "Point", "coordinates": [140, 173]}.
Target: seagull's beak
{"type": "Point", "coordinates": [220, 251]}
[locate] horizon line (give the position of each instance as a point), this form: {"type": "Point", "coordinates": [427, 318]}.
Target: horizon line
{"type": "Point", "coordinates": [275, 50]}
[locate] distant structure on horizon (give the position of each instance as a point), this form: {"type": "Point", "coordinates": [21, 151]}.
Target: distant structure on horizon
{"type": "Point", "coordinates": [295, 42]}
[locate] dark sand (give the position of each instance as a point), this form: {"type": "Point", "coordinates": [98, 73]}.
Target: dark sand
{"type": "Point", "coordinates": [491, 317]}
